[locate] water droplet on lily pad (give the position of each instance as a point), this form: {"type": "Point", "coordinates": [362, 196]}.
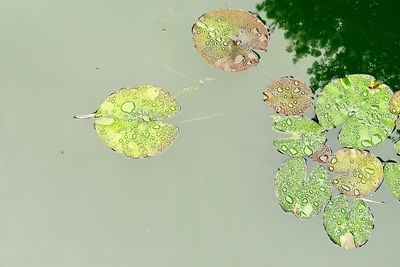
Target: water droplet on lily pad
{"type": "Point", "coordinates": [135, 128]}
{"type": "Point", "coordinates": [351, 228]}
{"type": "Point", "coordinates": [358, 170]}
{"type": "Point", "coordinates": [366, 143]}
{"type": "Point", "coordinates": [294, 100]}
{"type": "Point", "coordinates": [356, 192]}
{"type": "Point", "coordinates": [308, 150]}
{"type": "Point", "coordinates": [376, 139]}
{"type": "Point", "coordinates": [128, 106]}
{"type": "Point", "coordinates": [229, 44]}
{"type": "Point", "coordinates": [289, 199]}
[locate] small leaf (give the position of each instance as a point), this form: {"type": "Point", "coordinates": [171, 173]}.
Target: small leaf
{"type": "Point", "coordinates": [362, 172]}
{"type": "Point", "coordinates": [392, 178]}
{"type": "Point", "coordinates": [227, 38]}
{"type": "Point", "coordinates": [288, 96]}
{"type": "Point", "coordinates": [127, 121]}
{"type": "Point", "coordinates": [303, 197]}
{"type": "Point", "coordinates": [307, 136]}
{"type": "Point", "coordinates": [348, 228]}
{"type": "Point", "coordinates": [322, 155]}
{"type": "Point", "coordinates": [361, 104]}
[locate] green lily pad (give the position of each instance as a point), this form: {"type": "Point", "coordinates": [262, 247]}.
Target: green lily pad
{"type": "Point", "coordinates": [307, 136]}
{"type": "Point", "coordinates": [361, 106]}
{"type": "Point", "coordinates": [362, 172]}
{"type": "Point", "coordinates": [227, 38]}
{"type": "Point", "coordinates": [288, 96]}
{"type": "Point", "coordinates": [302, 196]}
{"type": "Point", "coordinates": [128, 121]}
{"type": "Point", "coordinates": [348, 228]}
{"type": "Point", "coordinates": [392, 178]}
{"type": "Point", "coordinates": [397, 146]}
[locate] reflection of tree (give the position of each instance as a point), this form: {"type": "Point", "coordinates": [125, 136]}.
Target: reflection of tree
{"type": "Point", "coordinates": [350, 36]}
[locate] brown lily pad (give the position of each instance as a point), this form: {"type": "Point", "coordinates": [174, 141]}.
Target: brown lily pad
{"type": "Point", "coordinates": [394, 103]}
{"type": "Point", "coordinates": [288, 96]}
{"type": "Point", "coordinates": [322, 155]}
{"type": "Point", "coordinates": [227, 38]}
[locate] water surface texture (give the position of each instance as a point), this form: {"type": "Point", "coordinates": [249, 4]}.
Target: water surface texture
{"type": "Point", "coordinates": [66, 199]}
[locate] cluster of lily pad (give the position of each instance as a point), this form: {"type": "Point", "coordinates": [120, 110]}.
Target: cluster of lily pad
{"type": "Point", "coordinates": [366, 110]}
{"type": "Point", "coordinates": [131, 122]}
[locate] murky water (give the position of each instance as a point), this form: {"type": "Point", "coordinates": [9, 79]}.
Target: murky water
{"type": "Point", "coordinates": [66, 199]}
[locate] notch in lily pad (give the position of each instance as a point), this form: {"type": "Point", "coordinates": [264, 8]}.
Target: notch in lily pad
{"type": "Point", "coordinates": [228, 38]}
{"type": "Point", "coordinates": [130, 122]}
{"type": "Point", "coordinates": [348, 228]}
{"type": "Point", "coordinates": [288, 96]}
{"type": "Point", "coordinates": [304, 197]}
{"type": "Point", "coordinates": [362, 172]}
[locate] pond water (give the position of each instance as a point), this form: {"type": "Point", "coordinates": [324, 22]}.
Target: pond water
{"type": "Point", "coordinates": [66, 199]}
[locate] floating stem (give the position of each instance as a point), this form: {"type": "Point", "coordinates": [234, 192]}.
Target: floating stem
{"type": "Point", "coordinates": [80, 117]}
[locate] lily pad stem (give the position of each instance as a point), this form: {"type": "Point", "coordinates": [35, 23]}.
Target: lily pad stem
{"type": "Point", "coordinates": [80, 117]}
{"type": "Point", "coordinates": [373, 201]}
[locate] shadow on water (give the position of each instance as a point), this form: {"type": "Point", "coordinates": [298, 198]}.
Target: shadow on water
{"type": "Point", "coordinates": [345, 36]}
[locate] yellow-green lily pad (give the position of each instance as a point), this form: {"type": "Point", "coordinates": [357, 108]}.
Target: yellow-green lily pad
{"type": "Point", "coordinates": [129, 121]}
{"type": "Point", "coordinates": [362, 172]}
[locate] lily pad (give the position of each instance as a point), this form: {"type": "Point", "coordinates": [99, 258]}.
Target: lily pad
{"type": "Point", "coordinates": [288, 96]}
{"type": "Point", "coordinates": [322, 155]}
{"type": "Point", "coordinates": [227, 38]}
{"type": "Point", "coordinates": [302, 196]}
{"type": "Point", "coordinates": [394, 103]}
{"type": "Point", "coordinates": [397, 146]}
{"type": "Point", "coordinates": [128, 121]}
{"type": "Point", "coordinates": [362, 172]}
{"type": "Point", "coordinates": [307, 136]}
{"type": "Point", "coordinates": [392, 178]}
{"type": "Point", "coordinates": [348, 228]}
{"type": "Point", "coordinates": [364, 112]}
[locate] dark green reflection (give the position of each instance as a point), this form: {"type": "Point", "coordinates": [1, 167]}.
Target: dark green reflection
{"type": "Point", "coordinates": [350, 36]}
